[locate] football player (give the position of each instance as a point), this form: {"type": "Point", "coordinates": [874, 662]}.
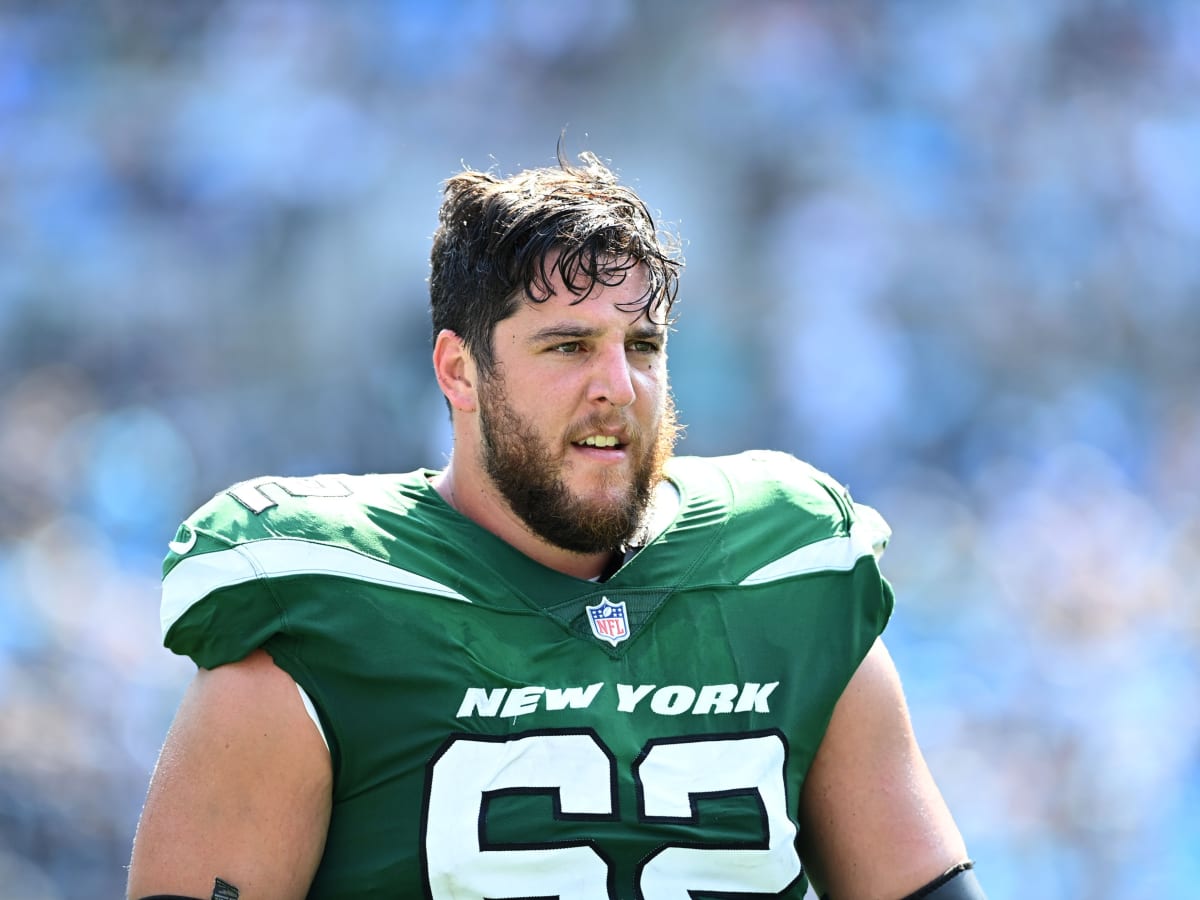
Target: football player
{"type": "Point", "coordinates": [567, 664]}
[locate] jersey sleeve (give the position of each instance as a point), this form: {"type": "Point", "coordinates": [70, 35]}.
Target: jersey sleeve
{"type": "Point", "coordinates": [875, 526]}
{"type": "Point", "coordinates": [217, 603]}
{"type": "Point", "coordinates": [799, 523]}
{"type": "Point", "coordinates": [787, 505]}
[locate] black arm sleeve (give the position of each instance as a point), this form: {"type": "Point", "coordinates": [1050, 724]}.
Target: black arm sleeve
{"type": "Point", "coordinates": [958, 883]}
{"type": "Point", "coordinates": [222, 890]}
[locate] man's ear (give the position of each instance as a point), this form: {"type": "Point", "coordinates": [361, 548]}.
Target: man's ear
{"type": "Point", "coordinates": [455, 371]}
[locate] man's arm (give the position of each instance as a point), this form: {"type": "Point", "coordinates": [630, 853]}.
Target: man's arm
{"type": "Point", "coordinates": [874, 824]}
{"type": "Point", "coordinates": [241, 791]}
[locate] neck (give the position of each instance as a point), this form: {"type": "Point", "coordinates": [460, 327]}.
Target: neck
{"type": "Point", "coordinates": [488, 510]}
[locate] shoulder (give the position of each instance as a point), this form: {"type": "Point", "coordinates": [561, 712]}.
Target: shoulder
{"type": "Point", "coordinates": [218, 602]}
{"type": "Point", "coordinates": [760, 476]}
{"type": "Point", "coordinates": [774, 484]}
{"type": "Point", "coordinates": [318, 508]}
{"type": "Point", "coordinates": [782, 516]}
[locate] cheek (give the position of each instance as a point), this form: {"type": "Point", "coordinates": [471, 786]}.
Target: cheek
{"type": "Point", "coordinates": [652, 383]}
{"type": "Point", "coordinates": [542, 404]}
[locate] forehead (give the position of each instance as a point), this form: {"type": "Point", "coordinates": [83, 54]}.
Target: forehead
{"type": "Point", "coordinates": [621, 305]}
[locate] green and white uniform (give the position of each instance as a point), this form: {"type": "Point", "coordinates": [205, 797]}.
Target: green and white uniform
{"type": "Point", "coordinates": [493, 737]}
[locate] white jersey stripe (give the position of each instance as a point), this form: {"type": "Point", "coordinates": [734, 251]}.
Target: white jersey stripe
{"type": "Point", "coordinates": [195, 577]}
{"type": "Point", "coordinates": [312, 713]}
{"type": "Point", "coordinates": [835, 554]}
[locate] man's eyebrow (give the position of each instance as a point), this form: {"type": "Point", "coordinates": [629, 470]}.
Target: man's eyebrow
{"type": "Point", "coordinates": [644, 329]}
{"type": "Point", "coordinates": [569, 331]}
{"type": "Point", "coordinates": [564, 331]}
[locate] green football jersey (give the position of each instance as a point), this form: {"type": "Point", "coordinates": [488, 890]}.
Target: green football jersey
{"type": "Point", "coordinates": [499, 729]}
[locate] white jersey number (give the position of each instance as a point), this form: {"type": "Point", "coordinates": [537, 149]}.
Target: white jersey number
{"type": "Point", "coordinates": [581, 773]}
{"type": "Point", "coordinates": [255, 494]}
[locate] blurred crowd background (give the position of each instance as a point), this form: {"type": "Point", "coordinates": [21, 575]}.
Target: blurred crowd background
{"type": "Point", "coordinates": [948, 252]}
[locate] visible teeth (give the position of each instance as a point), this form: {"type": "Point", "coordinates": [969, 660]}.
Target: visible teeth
{"type": "Point", "coordinates": [600, 440]}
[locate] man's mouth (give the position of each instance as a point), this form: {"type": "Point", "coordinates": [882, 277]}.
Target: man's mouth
{"type": "Point", "coordinates": [599, 440]}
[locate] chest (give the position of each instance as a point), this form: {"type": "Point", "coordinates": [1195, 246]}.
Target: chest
{"type": "Point", "coordinates": [496, 749]}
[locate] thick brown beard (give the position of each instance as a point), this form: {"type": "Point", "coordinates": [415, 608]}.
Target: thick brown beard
{"type": "Point", "coordinates": [525, 472]}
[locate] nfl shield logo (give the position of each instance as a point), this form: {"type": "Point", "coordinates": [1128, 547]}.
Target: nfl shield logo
{"type": "Point", "coordinates": [609, 621]}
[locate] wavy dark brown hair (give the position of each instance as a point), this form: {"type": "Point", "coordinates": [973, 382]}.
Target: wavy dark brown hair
{"type": "Point", "coordinates": [496, 236]}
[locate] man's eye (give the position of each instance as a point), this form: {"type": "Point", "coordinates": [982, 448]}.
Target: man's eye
{"type": "Point", "coordinates": [568, 347]}
{"type": "Point", "coordinates": [643, 346]}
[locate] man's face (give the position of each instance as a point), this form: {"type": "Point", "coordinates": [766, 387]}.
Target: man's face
{"type": "Point", "coordinates": [576, 419]}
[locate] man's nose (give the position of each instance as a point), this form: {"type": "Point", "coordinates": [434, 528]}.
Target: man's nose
{"type": "Point", "coordinates": [612, 379]}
